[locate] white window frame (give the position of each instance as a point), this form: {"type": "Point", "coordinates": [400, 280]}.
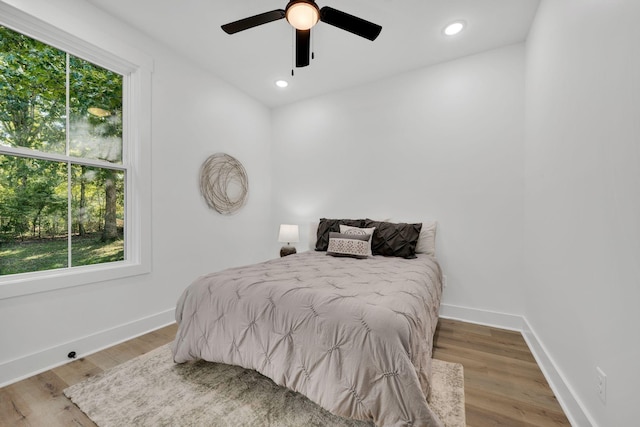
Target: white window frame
{"type": "Point", "coordinates": [136, 69]}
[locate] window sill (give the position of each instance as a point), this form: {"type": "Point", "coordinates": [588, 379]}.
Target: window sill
{"type": "Point", "coordinates": [32, 283]}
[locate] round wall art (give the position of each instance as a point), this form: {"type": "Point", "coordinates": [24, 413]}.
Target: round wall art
{"type": "Point", "coordinates": [223, 183]}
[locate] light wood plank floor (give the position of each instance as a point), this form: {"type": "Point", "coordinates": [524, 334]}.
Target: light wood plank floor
{"type": "Point", "coordinates": [503, 384]}
{"type": "Point", "coordinates": [39, 402]}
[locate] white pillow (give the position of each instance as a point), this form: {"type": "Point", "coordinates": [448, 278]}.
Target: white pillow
{"type": "Point", "coordinates": [313, 235]}
{"type": "Point", "coordinates": [346, 229]}
{"type": "Point", "coordinates": [427, 239]}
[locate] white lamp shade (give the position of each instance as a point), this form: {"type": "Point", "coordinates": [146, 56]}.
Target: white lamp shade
{"type": "Point", "coordinates": [288, 233]}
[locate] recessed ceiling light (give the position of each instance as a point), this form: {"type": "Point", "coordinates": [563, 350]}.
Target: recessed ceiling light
{"type": "Point", "coordinates": [282, 83]}
{"type": "Point", "coordinates": [453, 28]}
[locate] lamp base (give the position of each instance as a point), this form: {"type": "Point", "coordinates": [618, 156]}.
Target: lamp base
{"type": "Point", "coordinates": [287, 250]}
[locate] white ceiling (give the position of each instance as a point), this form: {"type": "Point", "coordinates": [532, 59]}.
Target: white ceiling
{"type": "Point", "coordinates": [254, 59]}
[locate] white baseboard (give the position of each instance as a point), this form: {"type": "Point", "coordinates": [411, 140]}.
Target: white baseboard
{"type": "Point", "coordinates": [512, 322]}
{"type": "Point", "coordinates": [18, 369]}
{"type": "Point", "coordinates": [571, 405]}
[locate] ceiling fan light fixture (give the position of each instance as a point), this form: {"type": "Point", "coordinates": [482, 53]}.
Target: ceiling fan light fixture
{"type": "Point", "coordinates": [302, 14]}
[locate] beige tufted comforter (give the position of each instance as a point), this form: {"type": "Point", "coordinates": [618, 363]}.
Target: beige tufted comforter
{"type": "Point", "coordinates": [353, 335]}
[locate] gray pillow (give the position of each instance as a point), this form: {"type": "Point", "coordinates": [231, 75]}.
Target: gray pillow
{"type": "Point", "coordinates": [391, 239]}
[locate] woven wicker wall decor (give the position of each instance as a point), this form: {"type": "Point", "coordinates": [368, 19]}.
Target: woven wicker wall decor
{"type": "Point", "coordinates": [224, 183]}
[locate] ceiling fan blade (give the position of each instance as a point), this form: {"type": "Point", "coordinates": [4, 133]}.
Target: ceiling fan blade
{"type": "Point", "coordinates": [303, 43]}
{"type": "Point", "coordinates": [253, 21]}
{"type": "Point", "coordinates": [350, 23]}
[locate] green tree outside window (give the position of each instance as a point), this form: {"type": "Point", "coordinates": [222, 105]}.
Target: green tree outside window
{"type": "Point", "coordinates": [61, 204]}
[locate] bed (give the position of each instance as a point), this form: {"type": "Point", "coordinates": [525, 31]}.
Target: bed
{"type": "Point", "coordinates": [352, 334]}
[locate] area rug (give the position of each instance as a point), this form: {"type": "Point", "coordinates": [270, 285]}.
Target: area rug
{"type": "Point", "coordinates": [151, 390]}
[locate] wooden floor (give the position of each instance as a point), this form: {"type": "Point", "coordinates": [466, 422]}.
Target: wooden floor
{"type": "Point", "coordinates": [39, 402]}
{"type": "Point", "coordinates": [503, 384]}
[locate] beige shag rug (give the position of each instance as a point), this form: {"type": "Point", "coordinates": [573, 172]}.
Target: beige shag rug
{"type": "Point", "coordinates": [151, 390]}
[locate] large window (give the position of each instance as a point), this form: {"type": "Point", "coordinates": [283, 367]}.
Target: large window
{"type": "Point", "coordinates": [74, 157]}
{"type": "Point", "coordinates": [61, 170]}
{"type": "Point", "coordinates": [75, 169]}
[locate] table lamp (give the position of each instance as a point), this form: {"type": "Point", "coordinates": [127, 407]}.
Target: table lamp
{"type": "Point", "coordinates": [288, 234]}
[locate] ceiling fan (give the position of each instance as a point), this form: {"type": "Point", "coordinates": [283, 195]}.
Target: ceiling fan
{"type": "Point", "coordinates": [303, 15]}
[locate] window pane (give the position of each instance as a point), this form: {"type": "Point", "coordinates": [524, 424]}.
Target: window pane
{"type": "Point", "coordinates": [33, 215]}
{"type": "Point", "coordinates": [57, 214]}
{"type": "Point", "coordinates": [95, 98]}
{"type": "Point", "coordinates": [98, 215]}
{"type": "Point", "coordinates": [32, 93]}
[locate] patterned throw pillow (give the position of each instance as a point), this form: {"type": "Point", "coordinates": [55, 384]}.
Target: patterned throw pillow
{"type": "Point", "coordinates": [328, 225]}
{"type": "Point", "coordinates": [350, 245]}
{"type": "Point", "coordinates": [346, 229]}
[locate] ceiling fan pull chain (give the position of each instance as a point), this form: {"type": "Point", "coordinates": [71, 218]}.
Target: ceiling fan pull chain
{"type": "Point", "coordinates": [313, 45]}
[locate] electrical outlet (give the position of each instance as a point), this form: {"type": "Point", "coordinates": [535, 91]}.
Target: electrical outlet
{"type": "Point", "coordinates": [601, 384]}
{"type": "Point", "coordinates": [444, 281]}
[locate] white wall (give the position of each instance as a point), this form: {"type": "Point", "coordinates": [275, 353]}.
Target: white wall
{"type": "Point", "coordinates": [445, 143]}
{"type": "Point", "coordinates": [193, 115]}
{"type": "Point", "coordinates": [449, 143]}
{"type": "Point", "coordinates": [582, 198]}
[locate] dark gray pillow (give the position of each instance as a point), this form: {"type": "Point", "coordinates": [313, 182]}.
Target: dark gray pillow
{"type": "Point", "coordinates": [348, 245]}
{"type": "Point", "coordinates": [328, 225]}
{"type": "Point", "coordinates": [391, 239]}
